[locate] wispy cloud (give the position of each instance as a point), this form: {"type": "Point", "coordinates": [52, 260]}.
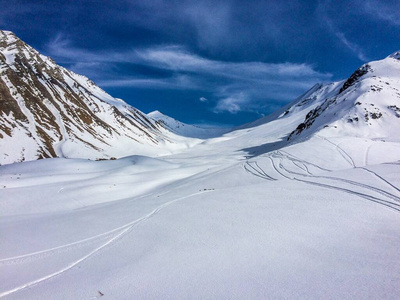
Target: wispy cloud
{"type": "Point", "coordinates": [234, 86]}
{"type": "Point", "coordinates": [356, 49]}
{"type": "Point", "coordinates": [178, 59]}
{"type": "Point", "coordinates": [353, 47]}
{"type": "Point", "coordinates": [180, 82]}
{"type": "Point", "coordinates": [382, 10]}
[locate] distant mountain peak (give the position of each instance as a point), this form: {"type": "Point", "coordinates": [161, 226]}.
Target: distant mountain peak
{"type": "Point", "coordinates": [186, 130]}
{"type": "Point", "coordinates": [395, 55]}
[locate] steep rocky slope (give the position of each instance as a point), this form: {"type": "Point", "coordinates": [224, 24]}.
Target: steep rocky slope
{"type": "Point", "coordinates": [367, 104]}
{"type": "Point", "coordinates": [49, 111]}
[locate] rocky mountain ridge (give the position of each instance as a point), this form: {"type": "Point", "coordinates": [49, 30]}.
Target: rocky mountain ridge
{"type": "Point", "coordinates": [49, 111]}
{"type": "Point", "coordinates": [366, 104]}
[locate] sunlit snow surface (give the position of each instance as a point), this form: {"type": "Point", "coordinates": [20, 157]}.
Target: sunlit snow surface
{"type": "Point", "coordinates": [301, 204]}
{"type": "Point", "coordinates": [318, 219]}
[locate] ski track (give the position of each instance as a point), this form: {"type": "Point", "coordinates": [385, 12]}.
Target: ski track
{"type": "Point", "coordinates": [303, 161]}
{"type": "Point", "coordinates": [354, 183]}
{"type": "Point", "coordinates": [351, 182]}
{"type": "Point", "coordinates": [383, 179]}
{"type": "Point", "coordinates": [82, 242]}
{"type": "Point", "coordinates": [257, 171]}
{"type": "Point", "coordinates": [389, 204]}
{"type": "Point", "coordinates": [367, 154]}
{"type": "Point", "coordinates": [341, 151]}
{"type": "Point", "coordinates": [125, 229]}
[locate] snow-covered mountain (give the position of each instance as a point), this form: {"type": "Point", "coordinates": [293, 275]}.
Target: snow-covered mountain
{"type": "Point", "coordinates": [367, 104]}
{"type": "Point", "coordinates": [186, 130]}
{"type": "Point", "coordinates": [49, 111]}
{"type": "Point", "coordinates": [301, 204]}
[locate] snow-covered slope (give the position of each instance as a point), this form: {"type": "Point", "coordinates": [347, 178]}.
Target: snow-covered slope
{"type": "Point", "coordinates": [367, 104]}
{"type": "Point", "coordinates": [183, 129]}
{"type": "Point", "coordinates": [49, 111]}
{"type": "Point", "coordinates": [300, 222]}
{"type": "Point", "coordinates": [272, 210]}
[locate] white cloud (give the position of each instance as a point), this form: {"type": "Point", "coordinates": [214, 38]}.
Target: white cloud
{"type": "Point", "coordinates": [237, 86]}
{"type": "Point", "coordinates": [180, 82]}
{"type": "Point", "coordinates": [203, 99]}
{"type": "Point", "coordinates": [324, 15]}
{"type": "Point", "coordinates": [176, 58]}
{"type": "Point", "coordinates": [227, 104]}
{"type": "Point", "coordinates": [383, 10]}
{"type": "Point", "coordinates": [356, 49]}
{"type": "Point", "coordinates": [231, 104]}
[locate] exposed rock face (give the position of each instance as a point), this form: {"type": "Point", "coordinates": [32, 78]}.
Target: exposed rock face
{"type": "Point", "coordinates": [367, 103]}
{"type": "Point", "coordinates": [355, 77]}
{"type": "Point", "coordinates": [49, 111]}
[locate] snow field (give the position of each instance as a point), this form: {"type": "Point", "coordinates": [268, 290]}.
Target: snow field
{"type": "Point", "coordinates": [286, 224]}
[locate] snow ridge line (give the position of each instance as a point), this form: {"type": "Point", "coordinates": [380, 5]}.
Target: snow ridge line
{"type": "Point", "coordinates": [126, 230]}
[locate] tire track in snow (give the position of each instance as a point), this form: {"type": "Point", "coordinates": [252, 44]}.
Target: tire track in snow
{"type": "Point", "coordinates": [127, 228]}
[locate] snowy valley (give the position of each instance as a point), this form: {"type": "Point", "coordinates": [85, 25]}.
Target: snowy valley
{"type": "Point", "coordinates": [303, 204]}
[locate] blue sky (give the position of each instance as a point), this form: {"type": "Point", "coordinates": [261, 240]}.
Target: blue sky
{"type": "Point", "coordinates": [208, 62]}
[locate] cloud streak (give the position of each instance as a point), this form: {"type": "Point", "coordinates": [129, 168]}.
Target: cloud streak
{"type": "Point", "coordinates": [382, 10]}
{"type": "Point", "coordinates": [234, 86]}
{"type": "Point", "coordinates": [356, 49]}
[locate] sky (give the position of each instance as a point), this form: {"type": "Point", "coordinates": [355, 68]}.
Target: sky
{"type": "Point", "coordinates": [218, 63]}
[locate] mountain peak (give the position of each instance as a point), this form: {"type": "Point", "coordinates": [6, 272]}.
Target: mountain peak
{"type": "Point", "coordinates": [7, 38]}
{"type": "Point", "coordinates": [49, 111]}
{"type": "Point", "coordinates": [6, 33]}
{"type": "Point", "coordinates": [155, 114]}
{"type": "Point", "coordinates": [395, 55]}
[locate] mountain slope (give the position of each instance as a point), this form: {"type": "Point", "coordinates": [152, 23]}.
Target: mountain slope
{"type": "Point", "coordinates": [49, 111]}
{"type": "Point", "coordinates": [367, 104]}
{"type": "Point", "coordinates": [186, 130]}
{"type": "Point", "coordinates": [245, 215]}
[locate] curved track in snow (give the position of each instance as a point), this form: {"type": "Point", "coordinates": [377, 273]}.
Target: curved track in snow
{"type": "Point", "coordinates": [123, 230]}
{"type": "Point", "coordinates": [301, 173]}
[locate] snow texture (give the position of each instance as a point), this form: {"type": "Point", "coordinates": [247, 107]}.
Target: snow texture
{"type": "Point", "coordinates": [271, 210]}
